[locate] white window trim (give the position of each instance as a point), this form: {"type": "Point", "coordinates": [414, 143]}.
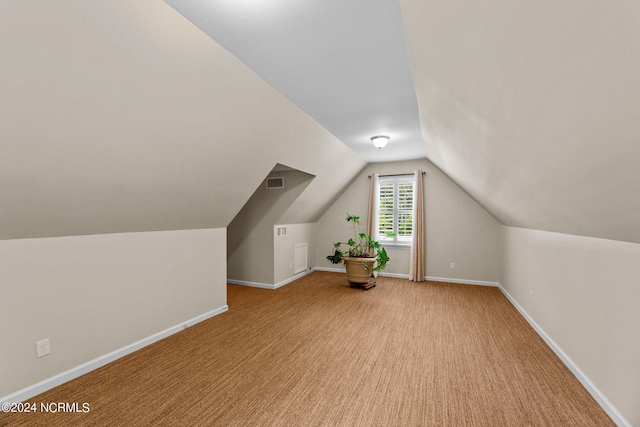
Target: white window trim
{"type": "Point", "coordinates": [396, 180]}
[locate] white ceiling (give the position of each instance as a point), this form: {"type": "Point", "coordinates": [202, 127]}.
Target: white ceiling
{"type": "Point", "coordinates": [342, 62]}
{"type": "Point", "coordinates": [533, 108]}
{"type": "Point", "coordinates": [123, 116]}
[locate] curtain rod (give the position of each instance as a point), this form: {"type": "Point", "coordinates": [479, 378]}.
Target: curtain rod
{"type": "Point", "coordinates": [399, 174]}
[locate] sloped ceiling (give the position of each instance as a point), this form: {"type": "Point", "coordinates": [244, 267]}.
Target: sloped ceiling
{"type": "Point", "coordinates": [534, 108]}
{"type": "Point", "coordinates": [531, 107]}
{"type": "Point", "coordinates": [342, 62]}
{"type": "Point", "coordinates": [122, 116]}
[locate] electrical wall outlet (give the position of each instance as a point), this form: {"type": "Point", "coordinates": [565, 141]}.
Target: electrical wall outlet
{"type": "Point", "coordinates": [452, 265]}
{"type": "Point", "coordinates": [42, 348]}
{"type": "Point", "coordinates": [531, 296]}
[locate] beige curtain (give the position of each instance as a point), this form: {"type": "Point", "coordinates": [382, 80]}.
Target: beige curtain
{"type": "Point", "coordinates": [372, 220]}
{"type": "Point", "coordinates": [416, 264]}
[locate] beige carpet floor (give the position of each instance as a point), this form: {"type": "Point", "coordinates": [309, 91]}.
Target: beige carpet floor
{"type": "Point", "coordinates": [319, 353]}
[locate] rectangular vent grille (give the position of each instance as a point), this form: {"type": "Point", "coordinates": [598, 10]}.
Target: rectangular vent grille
{"type": "Point", "coordinates": [275, 183]}
{"type": "Point", "coordinates": [300, 258]}
{"type": "Point", "coordinates": [281, 231]}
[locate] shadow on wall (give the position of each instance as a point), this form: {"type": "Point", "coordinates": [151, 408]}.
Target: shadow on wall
{"type": "Point", "coordinates": [250, 254]}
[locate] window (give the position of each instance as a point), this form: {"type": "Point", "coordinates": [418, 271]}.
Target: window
{"type": "Point", "coordinates": [395, 210]}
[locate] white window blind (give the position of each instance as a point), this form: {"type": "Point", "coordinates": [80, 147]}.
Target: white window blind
{"type": "Point", "coordinates": [395, 210]}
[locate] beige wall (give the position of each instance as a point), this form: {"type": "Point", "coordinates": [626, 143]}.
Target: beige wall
{"type": "Point", "coordinates": [457, 228]}
{"type": "Point", "coordinates": [250, 245]}
{"type": "Point", "coordinates": [91, 295]}
{"type": "Point", "coordinates": [141, 122]}
{"type": "Point", "coordinates": [283, 249]}
{"type": "Point", "coordinates": [585, 297]}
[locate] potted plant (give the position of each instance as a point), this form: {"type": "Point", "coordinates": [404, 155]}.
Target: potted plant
{"type": "Point", "coordinates": [363, 257]}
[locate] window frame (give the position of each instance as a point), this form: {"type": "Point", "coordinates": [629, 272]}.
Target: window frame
{"type": "Point", "coordinates": [396, 181]}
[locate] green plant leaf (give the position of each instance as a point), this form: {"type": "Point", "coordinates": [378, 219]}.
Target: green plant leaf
{"type": "Point", "coordinates": [337, 257]}
{"type": "Point", "coordinates": [365, 247]}
{"type": "Point", "coordinates": [353, 218]}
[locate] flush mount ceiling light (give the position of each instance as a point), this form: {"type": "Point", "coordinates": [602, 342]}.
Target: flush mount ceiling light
{"type": "Point", "coordinates": [380, 140]}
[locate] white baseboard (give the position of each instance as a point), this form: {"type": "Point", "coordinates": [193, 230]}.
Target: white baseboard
{"type": "Point", "coordinates": [394, 275]}
{"type": "Point", "coordinates": [268, 285]}
{"type": "Point", "coordinates": [56, 380]}
{"type": "Point", "coordinates": [462, 281]}
{"type": "Point", "coordinates": [429, 278]}
{"type": "Point", "coordinates": [615, 415]}
{"type": "Point", "coordinates": [442, 279]}
{"type": "Point", "coordinates": [330, 269]}
{"type": "Point", "coordinates": [251, 284]}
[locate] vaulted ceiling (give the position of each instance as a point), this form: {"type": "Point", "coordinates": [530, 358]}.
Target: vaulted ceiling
{"type": "Point", "coordinates": [534, 108]}
{"type": "Point", "coordinates": [531, 107]}
{"type": "Point", "coordinates": [344, 63]}
{"type": "Point", "coordinates": [124, 116]}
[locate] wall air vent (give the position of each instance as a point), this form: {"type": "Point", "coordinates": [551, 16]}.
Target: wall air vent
{"type": "Point", "coordinates": [300, 263]}
{"type": "Point", "coordinates": [275, 183]}
{"type": "Point", "coordinates": [281, 231]}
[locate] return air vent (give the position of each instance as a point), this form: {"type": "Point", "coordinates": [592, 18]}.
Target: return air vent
{"type": "Point", "coordinates": [300, 258]}
{"type": "Point", "coordinates": [275, 183]}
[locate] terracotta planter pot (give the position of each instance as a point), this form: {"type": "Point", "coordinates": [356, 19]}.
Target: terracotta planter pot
{"type": "Point", "coordinates": [359, 269]}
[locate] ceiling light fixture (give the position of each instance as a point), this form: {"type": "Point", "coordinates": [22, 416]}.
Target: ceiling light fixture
{"type": "Point", "coordinates": [380, 140]}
